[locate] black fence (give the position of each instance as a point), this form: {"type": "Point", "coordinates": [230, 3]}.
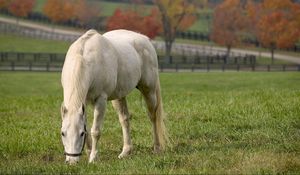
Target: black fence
{"type": "Point", "coordinates": [53, 62]}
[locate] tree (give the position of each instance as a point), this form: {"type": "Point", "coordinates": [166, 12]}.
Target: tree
{"type": "Point", "coordinates": [21, 8]}
{"type": "Point", "coordinates": [59, 10]}
{"type": "Point", "coordinates": [228, 24]}
{"type": "Point", "coordinates": [4, 4]}
{"type": "Point", "coordinates": [176, 15]}
{"type": "Point", "coordinates": [131, 20]}
{"type": "Point", "coordinates": [151, 24]}
{"type": "Point", "coordinates": [276, 23]}
{"type": "Point", "coordinates": [85, 12]}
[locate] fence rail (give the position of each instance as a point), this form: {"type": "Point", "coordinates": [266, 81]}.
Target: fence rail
{"type": "Point", "coordinates": [12, 61]}
{"type": "Point", "coordinates": [36, 33]}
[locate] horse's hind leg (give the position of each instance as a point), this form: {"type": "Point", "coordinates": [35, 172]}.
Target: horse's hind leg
{"type": "Point", "coordinates": [120, 106]}
{"type": "Point", "coordinates": [153, 102]}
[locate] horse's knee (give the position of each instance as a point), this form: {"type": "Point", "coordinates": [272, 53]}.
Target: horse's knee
{"type": "Point", "coordinates": [124, 119]}
{"type": "Point", "coordinates": [95, 134]}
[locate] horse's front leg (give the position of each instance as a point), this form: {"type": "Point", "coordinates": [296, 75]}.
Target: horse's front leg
{"type": "Point", "coordinates": [99, 111]}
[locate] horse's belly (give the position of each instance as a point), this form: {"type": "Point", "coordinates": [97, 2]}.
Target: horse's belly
{"type": "Point", "coordinates": [129, 75]}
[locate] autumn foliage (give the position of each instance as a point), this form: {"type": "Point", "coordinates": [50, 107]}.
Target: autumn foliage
{"type": "Point", "coordinates": [85, 12]}
{"type": "Point", "coordinates": [4, 4]}
{"type": "Point", "coordinates": [175, 15]}
{"type": "Point", "coordinates": [275, 23]}
{"type": "Point", "coordinates": [228, 24]}
{"type": "Point", "coordinates": [65, 10]}
{"type": "Point", "coordinates": [59, 10]}
{"type": "Point", "coordinates": [132, 20]}
{"type": "Point", "coordinates": [21, 8]}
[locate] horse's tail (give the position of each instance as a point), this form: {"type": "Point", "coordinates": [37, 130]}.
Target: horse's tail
{"type": "Point", "coordinates": [160, 117]}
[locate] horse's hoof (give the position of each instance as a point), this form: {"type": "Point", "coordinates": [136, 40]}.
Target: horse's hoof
{"type": "Point", "coordinates": [157, 150]}
{"type": "Point", "coordinates": [126, 152]}
{"type": "Point", "coordinates": [93, 156]}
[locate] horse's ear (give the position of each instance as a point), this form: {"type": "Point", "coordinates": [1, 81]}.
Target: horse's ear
{"type": "Point", "coordinates": [63, 110]}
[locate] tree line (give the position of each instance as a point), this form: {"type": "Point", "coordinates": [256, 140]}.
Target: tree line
{"type": "Point", "coordinates": [273, 23]}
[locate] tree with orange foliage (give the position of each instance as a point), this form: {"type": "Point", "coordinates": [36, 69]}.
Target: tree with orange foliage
{"type": "Point", "coordinates": [4, 4]}
{"type": "Point", "coordinates": [85, 12]}
{"type": "Point", "coordinates": [276, 23]}
{"type": "Point", "coordinates": [176, 15]}
{"type": "Point", "coordinates": [228, 24]}
{"type": "Point", "coordinates": [21, 8]}
{"type": "Point", "coordinates": [59, 10]}
{"type": "Point", "coordinates": [131, 20]}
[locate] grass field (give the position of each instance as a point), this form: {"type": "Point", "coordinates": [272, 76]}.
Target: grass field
{"type": "Point", "coordinates": [13, 43]}
{"type": "Point", "coordinates": [219, 123]}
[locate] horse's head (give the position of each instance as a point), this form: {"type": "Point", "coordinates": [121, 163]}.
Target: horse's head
{"type": "Point", "coordinates": [73, 132]}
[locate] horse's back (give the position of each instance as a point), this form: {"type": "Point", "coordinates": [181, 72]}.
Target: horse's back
{"type": "Point", "coordinates": [125, 40]}
{"type": "Point", "coordinates": [139, 42]}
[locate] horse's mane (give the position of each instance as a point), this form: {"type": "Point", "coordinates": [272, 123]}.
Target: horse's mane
{"type": "Point", "coordinates": [77, 78]}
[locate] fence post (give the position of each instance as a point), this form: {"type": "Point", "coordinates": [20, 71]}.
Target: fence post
{"type": "Point", "coordinates": [30, 66]}
{"type": "Point", "coordinates": [269, 68]}
{"type": "Point", "coordinates": [238, 67]}
{"type": "Point", "coordinates": [12, 65]}
{"type": "Point", "coordinates": [283, 68]}
{"type": "Point", "coordinates": [162, 67]}
{"type": "Point", "coordinates": [208, 67]}
{"type": "Point", "coordinates": [36, 56]}
{"type": "Point", "coordinates": [47, 67]}
{"type": "Point", "coordinates": [18, 56]}
{"type": "Point", "coordinates": [253, 67]}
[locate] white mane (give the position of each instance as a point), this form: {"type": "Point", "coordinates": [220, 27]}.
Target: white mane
{"type": "Point", "coordinates": [75, 89]}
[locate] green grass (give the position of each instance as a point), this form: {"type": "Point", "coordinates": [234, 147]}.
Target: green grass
{"type": "Point", "coordinates": [13, 43]}
{"type": "Point", "coordinates": [219, 123]}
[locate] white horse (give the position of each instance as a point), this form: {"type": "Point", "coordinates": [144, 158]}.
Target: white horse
{"type": "Point", "coordinates": [99, 68]}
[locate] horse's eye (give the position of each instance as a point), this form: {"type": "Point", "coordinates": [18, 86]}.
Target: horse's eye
{"type": "Point", "coordinates": [82, 134]}
{"type": "Point", "coordinates": [62, 134]}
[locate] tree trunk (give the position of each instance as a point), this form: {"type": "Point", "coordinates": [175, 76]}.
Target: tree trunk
{"type": "Point", "coordinates": [272, 54]}
{"type": "Point", "coordinates": [227, 54]}
{"type": "Point", "coordinates": [168, 56]}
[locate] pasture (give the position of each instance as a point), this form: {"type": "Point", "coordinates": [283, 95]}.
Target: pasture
{"type": "Point", "coordinates": [219, 123]}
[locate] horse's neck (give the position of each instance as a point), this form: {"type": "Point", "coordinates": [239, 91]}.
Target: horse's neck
{"type": "Point", "coordinates": [76, 84]}
{"type": "Point", "coordinates": [75, 99]}
{"type": "Point", "coordinates": [75, 73]}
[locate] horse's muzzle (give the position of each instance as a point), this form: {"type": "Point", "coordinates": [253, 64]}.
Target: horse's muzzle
{"type": "Point", "coordinates": [72, 160]}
